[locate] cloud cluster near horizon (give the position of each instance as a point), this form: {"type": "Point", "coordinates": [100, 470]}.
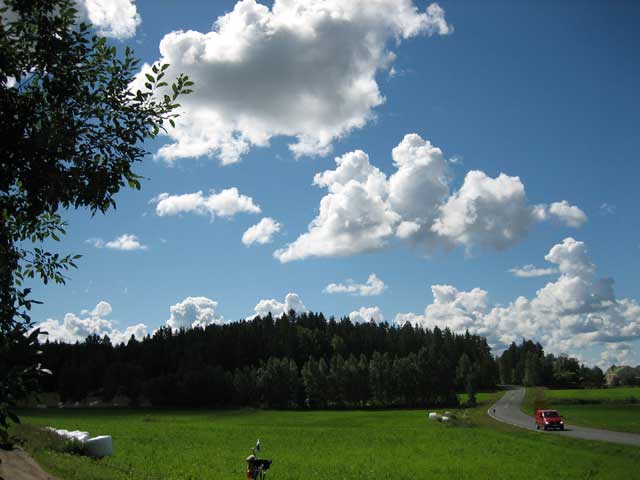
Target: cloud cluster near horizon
{"type": "Point", "coordinates": [366, 315]}
{"type": "Point", "coordinates": [76, 328]}
{"type": "Point", "coordinates": [302, 68]}
{"type": "Point", "coordinates": [364, 208]}
{"type": "Point", "coordinates": [574, 312]}
{"type": "Point", "coordinates": [194, 312]}
{"type": "Point", "coordinates": [292, 301]}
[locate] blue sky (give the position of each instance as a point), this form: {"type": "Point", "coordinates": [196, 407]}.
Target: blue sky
{"type": "Point", "coordinates": [543, 91]}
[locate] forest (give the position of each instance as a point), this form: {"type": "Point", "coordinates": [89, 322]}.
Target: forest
{"type": "Point", "coordinates": [301, 361]}
{"type": "Point", "coordinates": [295, 361]}
{"type": "Point", "coordinates": [526, 364]}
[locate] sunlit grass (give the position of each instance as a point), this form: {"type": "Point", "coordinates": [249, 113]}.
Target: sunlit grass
{"type": "Point", "coordinates": [394, 444]}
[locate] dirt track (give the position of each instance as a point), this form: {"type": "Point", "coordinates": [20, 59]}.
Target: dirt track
{"type": "Point", "coordinates": [18, 465]}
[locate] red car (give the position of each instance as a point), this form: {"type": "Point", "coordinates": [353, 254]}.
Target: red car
{"type": "Point", "coordinates": [549, 419]}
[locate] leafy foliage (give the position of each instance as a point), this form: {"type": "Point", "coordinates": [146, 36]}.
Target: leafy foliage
{"type": "Point", "coordinates": [72, 127]}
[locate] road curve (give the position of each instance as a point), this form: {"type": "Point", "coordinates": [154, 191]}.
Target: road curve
{"type": "Point", "coordinates": [507, 410]}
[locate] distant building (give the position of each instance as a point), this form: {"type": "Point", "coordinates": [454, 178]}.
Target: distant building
{"type": "Point", "coordinates": [611, 377]}
{"type": "Point", "coordinates": [623, 375]}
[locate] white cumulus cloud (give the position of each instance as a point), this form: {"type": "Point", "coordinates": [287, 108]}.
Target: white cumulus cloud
{"type": "Point", "coordinates": [226, 203]}
{"type": "Point", "coordinates": [111, 18]}
{"type": "Point", "coordinates": [126, 242]}
{"type": "Point", "coordinates": [571, 215]}
{"type": "Point", "coordinates": [302, 68]}
{"type": "Point", "coordinates": [489, 212]}
{"type": "Point", "coordinates": [528, 271]}
{"type": "Point", "coordinates": [74, 328]}
{"type": "Point", "coordinates": [194, 312]}
{"type": "Point", "coordinates": [567, 315]}
{"type": "Point", "coordinates": [262, 232]}
{"type": "Point", "coordinates": [366, 315]}
{"type": "Point", "coordinates": [373, 286]}
{"type": "Point", "coordinates": [363, 208]}
{"type": "Point", "coordinates": [292, 301]}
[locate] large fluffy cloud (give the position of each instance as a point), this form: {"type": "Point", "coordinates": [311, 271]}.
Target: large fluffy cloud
{"type": "Point", "coordinates": [292, 301]}
{"type": "Point", "coordinates": [262, 232]}
{"type": "Point", "coordinates": [490, 212]}
{"type": "Point", "coordinates": [111, 18]}
{"type": "Point", "coordinates": [227, 203]}
{"type": "Point", "coordinates": [363, 208]}
{"type": "Point", "coordinates": [76, 328]}
{"type": "Point", "coordinates": [367, 314]}
{"type": "Point", "coordinates": [194, 312]}
{"type": "Point", "coordinates": [575, 311]}
{"type": "Point", "coordinates": [354, 216]}
{"type": "Point", "coordinates": [373, 286]}
{"type": "Point", "coordinates": [302, 68]}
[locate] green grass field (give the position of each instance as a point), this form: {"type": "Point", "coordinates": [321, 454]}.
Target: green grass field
{"type": "Point", "coordinates": [604, 395]}
{"type": "Point", "coordinates": [608, 408]}
{"type": "Point", "coordinates": [623, 418]}
{"type": "Point", "coordinates": [329, 445]}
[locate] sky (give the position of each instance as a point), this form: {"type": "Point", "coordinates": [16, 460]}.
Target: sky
{"type": "Point", "coordinates": [470, 165]}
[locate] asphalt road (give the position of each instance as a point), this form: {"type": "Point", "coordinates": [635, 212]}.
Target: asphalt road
{"type": "Point", "coordinates": [507, 410]}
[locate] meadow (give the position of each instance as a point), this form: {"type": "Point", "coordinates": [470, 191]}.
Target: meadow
{"type": "Point", "coordinates": [323, 445]}
{"type": "Point", "coordinates": [624, 395]}
{"type": "Point", "coordinates": [608, 408]}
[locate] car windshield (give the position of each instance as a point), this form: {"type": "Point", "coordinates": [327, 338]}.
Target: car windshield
{"type": "Point", "coordinates": [551, 413]}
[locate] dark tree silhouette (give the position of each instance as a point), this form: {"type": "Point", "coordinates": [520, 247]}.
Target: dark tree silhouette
{"type": "Point", "coordinates": [71, 129]}
{"type": "Point", "coordinates": [297, 361]}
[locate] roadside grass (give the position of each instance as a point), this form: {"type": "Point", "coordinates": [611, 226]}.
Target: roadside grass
{"type": "Point", "coordinates": [608, 408]}
{"type": "Point", "coordinates": [626, 395]}
{"type": "Point", "coordinates": [324, 445]}
{"type": "Point", "coordinates": [622, 418]}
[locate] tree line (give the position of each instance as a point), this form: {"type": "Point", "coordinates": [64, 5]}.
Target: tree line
{"type": "Point", "coordinates": [526, 364]}
{"type": "Point", "coordinates": [295, 361]}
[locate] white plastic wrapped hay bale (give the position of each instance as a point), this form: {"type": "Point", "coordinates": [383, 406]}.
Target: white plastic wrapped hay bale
{"type": "Point", "coordinates": [445, 419]}
{"type": "Point", "coordinates": [434, 416]}
{"type": "Point", "coordinates": [447, 414]}
{"type": "Point", "coordinates": [101, 446]}
{"type": "Point", "coordinates": [79, 436]}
